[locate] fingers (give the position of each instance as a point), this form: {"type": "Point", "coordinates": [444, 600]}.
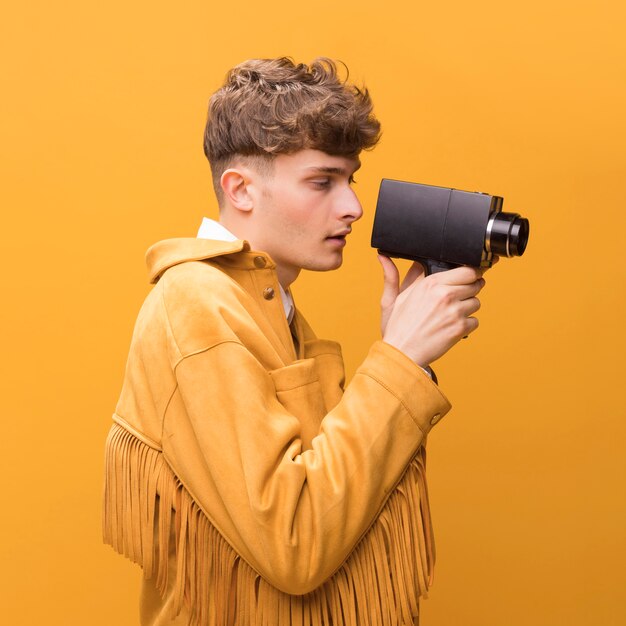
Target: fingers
{"type": "Point", "coordinates": [458, 276]}
{"type": "Point", "coordinates": [390, 271]}
{"type": "Point", "coordinates": [391, 279]}
{"type": "Point", "coordinates": [462, 304]}
{"type": "Point", "coordinates": [471, 325]}
{"type": "Point", "coordinates": [462, 292]}
{"type": "Point", "coordinates": [469, 307]}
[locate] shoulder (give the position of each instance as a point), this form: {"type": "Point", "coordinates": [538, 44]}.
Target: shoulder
{"type": "Point", "coordinates": [198, 282]}
{"type": "Point", "coordinates": [203, 305]}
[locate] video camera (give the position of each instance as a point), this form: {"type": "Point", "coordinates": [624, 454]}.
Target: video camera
{"type": "Point", "coordinates": [443, 228]}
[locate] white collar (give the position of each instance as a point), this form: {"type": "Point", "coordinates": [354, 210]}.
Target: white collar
{"type": "Point", "coordinates": [210, 229]}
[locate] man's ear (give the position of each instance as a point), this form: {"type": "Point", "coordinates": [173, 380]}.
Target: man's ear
{"type": "Point", "coordinates": [235, 182]}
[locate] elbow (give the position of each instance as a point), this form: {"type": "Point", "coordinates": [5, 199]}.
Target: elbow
{"type": "Point", "coordinates": [297, 582]}
{"type": "Point", "coordinates": [297, 571]}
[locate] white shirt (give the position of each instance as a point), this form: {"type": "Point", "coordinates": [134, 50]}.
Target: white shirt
{"type": "Point", "coordinates": [210, 229]}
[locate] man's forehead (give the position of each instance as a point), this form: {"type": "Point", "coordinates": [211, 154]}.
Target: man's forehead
{"type": "Point", "coordinates": [318, 161]}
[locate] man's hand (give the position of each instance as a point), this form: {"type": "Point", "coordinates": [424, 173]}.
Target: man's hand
{"type": "Point", "coordinates": [426, 315]}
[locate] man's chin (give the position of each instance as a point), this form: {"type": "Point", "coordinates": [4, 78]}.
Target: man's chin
{"type": "Point", "coordinates": [326, 267]}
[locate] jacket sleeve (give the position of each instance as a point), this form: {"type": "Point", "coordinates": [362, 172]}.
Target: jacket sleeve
{"type": "Point", "coordinates": [294, 514]}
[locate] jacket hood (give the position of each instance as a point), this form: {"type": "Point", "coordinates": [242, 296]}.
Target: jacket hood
{"type": "Point", "coordinates": [165, 254]}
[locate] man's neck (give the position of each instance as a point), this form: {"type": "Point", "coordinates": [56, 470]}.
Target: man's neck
{"type": "Point", "coordinates": [286, 274]}
{"type": "Point", "coordinates": [286, 277]}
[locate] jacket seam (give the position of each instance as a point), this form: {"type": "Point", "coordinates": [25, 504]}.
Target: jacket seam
{"type": "Point", "coordinates": [291, 352]}
{"type": "Point", "coordinates": [182, 356]}
{"type": "Point", "coordinates": [121, 421]}
{"type": "Point", "coordinates": [300, 386]}
{"type": "Point", "coordinates": [205, 349]}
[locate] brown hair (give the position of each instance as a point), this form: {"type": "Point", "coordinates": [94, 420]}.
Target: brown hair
{"type": "Point", "coordinates": [268, 107]}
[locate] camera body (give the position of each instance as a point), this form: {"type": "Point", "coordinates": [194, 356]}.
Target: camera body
{"type": "Point", "coordinates": [443, 228]}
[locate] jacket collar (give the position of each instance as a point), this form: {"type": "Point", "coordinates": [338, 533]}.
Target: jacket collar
{"type": "Point", "coordinates": [210, 229]}
{"type": "Point", "coordinates": [165, 254]}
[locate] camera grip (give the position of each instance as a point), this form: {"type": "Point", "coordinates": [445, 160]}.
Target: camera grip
{"type": "Point", "coordinates": [433, 267]}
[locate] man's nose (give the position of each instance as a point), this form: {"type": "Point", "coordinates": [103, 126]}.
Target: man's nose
{"type": "Point", "coordinates": [351, 208]}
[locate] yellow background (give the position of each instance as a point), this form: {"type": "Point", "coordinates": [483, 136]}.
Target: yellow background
{"type": "Point", "coordinates": [103, 107]}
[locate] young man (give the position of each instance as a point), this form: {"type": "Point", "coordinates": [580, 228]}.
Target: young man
{"type": "Point", "coordinates": [247, 483]}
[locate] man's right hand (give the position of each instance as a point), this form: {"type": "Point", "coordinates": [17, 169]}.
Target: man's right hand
{"type": "Point", "coordinates": [426, 315]}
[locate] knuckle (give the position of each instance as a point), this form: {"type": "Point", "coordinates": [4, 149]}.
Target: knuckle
{"type": "Point", "coordinates": [446, 296]}
{"type": "Point", "coordinates": [459, 328]}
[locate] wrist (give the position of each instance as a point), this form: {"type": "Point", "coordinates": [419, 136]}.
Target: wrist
{"type": "Point", "coordinates": [419, 358]}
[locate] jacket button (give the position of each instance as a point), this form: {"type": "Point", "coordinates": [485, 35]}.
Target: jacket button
{"type": "Point", "coordinates": [260, 261]}
{"type": "Point", "coordinates": [268, 293]}
{"type": "Point", "coordinates": [435, 419]}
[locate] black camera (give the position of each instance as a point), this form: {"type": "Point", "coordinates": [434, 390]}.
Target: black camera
{"type": "Point", "coordinates": [443, 228]}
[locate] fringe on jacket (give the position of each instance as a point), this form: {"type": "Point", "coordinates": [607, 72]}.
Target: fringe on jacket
{"type": "Point", "coordinates": [379, 584]}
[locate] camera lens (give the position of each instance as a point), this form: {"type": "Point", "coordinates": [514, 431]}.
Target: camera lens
{"type": "Point", "coordinates": [507, 234]}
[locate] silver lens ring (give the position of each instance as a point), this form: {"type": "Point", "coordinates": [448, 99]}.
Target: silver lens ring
{"type": "Point", "coordinates": [492, 219]}
{"type": "Point", "coordinates": [508, 240]}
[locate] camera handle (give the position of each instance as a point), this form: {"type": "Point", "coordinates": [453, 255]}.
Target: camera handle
{"type": "Point", "coordinates": [430, 265]}
{"type": "Point", "coordinates": [434, 267]}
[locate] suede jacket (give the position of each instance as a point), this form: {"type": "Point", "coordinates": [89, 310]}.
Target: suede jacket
{"type": "Point", "coordinates": [248, 484]}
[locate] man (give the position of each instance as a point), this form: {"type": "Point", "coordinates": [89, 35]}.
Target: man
{"type": "Point", "coordinates": [248, 484]}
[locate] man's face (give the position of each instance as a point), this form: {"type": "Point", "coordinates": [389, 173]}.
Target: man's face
{"type": "Point", "coordinates": [305, 209]}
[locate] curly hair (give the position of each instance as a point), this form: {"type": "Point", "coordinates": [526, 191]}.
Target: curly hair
{"type": "Point", "coordinates": [268, 107]}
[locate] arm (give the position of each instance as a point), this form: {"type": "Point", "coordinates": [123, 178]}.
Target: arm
{"type": "Point", "coordinates": [294, 514]}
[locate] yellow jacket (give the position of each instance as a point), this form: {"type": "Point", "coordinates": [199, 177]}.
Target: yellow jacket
{"type": "Point", "coordinates": [242, 478]}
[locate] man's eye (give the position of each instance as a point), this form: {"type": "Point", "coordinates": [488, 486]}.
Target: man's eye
{"type": "Point", "coordinates": [321, 183]}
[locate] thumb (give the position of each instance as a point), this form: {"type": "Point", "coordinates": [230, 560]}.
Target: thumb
{"type": "Point", "coordinates": [391, 278]}
{"type": "Point", "coordinates": [416, 271]}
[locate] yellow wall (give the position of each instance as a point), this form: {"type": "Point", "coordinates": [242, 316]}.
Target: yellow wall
{"type": "Point", "coordinates": [103, 107]}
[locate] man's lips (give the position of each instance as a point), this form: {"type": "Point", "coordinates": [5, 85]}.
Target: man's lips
{"type": "Point", "coordinates": [339, 239]}
{"type": "Point", "coordinates": [342, 234]}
